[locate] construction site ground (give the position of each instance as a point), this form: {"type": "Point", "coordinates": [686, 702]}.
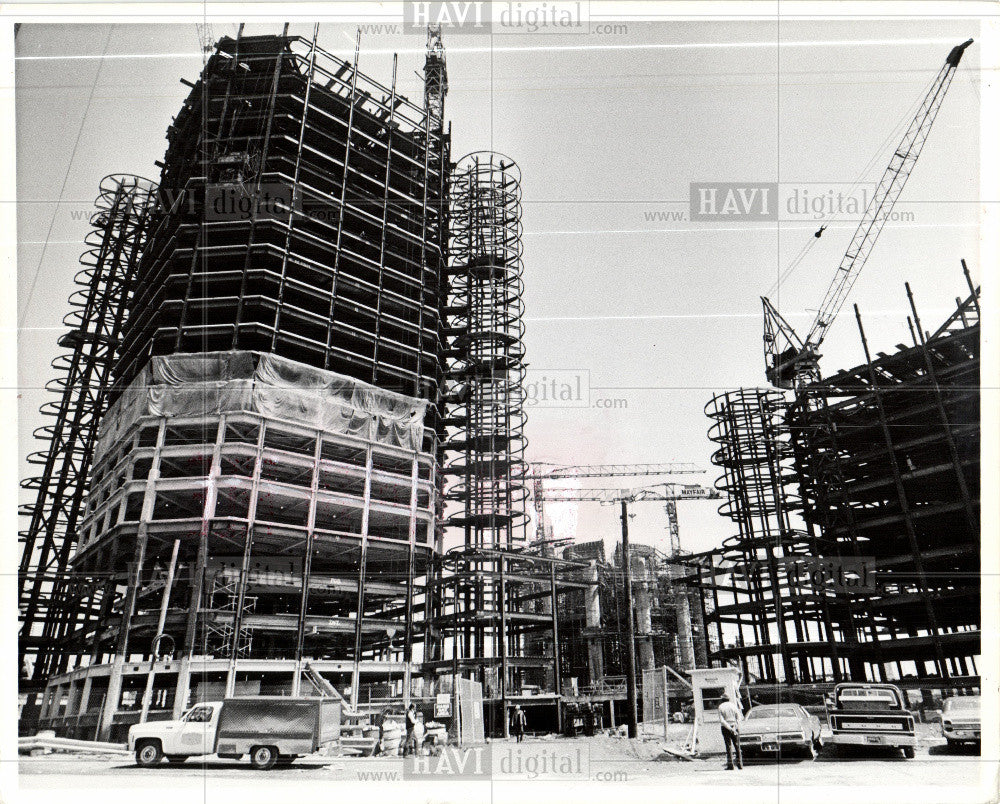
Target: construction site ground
{"type": "Point", "coordinates": [612, 760]}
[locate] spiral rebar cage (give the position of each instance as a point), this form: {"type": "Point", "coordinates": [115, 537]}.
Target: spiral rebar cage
{"type": "Point", "coordinates": [485, 369]}
{"type": "Point", "coordinates": [764, 612]}
{"type": "Point", "coordinates": [51, 607]}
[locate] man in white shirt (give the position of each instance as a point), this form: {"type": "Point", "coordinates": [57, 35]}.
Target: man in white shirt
{"type": "Point", "coordinates": [730, 718]}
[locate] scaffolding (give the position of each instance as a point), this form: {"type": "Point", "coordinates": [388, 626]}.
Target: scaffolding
{"type": "Point", "coordinates": [497, 602]}
{"type": "Point", "coordinates": [50, 605]}
{"type": "Point", "coordinates": [485, 353]}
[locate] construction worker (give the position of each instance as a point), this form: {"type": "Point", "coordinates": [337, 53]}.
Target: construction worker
{"type": "Point", "coordinates": [730, 718]}
{"type": "Point", "coordinates": [517, 723]}
{"type": "Point", "coordinates": [410, 744]}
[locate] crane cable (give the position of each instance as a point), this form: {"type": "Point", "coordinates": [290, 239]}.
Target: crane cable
{"type": "Point", "coordinates": [832, 216]}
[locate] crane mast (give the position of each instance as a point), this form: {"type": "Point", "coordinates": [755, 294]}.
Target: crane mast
{"type": "Point", "coordinates": [791, 362]}
{"type": "Point", "coordinates": [435, 77]}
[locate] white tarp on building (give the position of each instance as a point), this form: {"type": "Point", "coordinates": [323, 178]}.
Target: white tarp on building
{"type": "Point", "coordinates": [195, 385]}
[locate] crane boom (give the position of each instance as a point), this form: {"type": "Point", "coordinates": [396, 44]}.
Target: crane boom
{"type": "Point", "coordinates": [791, 362]}
{"type": "Point", "coordinates": [551, 471]}
{"type": "Point", "coordinates": [665, 492]}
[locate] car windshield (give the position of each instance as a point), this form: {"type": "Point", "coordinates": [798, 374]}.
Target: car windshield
{"type": "Point", "coordinates": [964, 704]}
{"type": "Point", "coordinates": [760, 712]}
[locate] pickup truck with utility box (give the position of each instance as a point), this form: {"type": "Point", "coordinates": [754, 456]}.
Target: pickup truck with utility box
{"type": "Point", "coordinates": [268, 729]}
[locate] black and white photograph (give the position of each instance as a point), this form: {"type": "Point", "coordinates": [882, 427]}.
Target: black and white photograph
{"type": "Point", "coordinates": [544, 400]}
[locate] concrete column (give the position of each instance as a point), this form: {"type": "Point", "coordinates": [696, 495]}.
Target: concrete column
{"type": "Point", "coordinates": [114, 694]}
{"type": "Point", "coordinates": [73, 699]}
{"type": "Point", "coordinates": [645, 647]}
{"type": "Point", "coordinates": [183, 686]}
{"type": "Point", "coordinates": [241, 591]}
{"type": "Point", "coordinates": [362, 566]}
{"type": "Point", "coordinates": [84, 697]}
{"type": "Point", "coordinates": [684, 636]}
{"type": "Point", "coordinates": [644, 621]}
{"type": "Point", "coordinates": [51, 693]}
{"type": "Point", "coordinates": [410, 570]}
{"type": "Point", "coordinates": [592, 612]}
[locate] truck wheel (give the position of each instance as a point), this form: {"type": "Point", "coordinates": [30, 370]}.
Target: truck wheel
{"type": "Point", "coordinates": [176, 759]}
{"type": "Point", "coordinates": [908, 752]}
{"type": "Point", "coordinates": [263, 757]}
{"type": "Point", "coordinates": [148, 753]}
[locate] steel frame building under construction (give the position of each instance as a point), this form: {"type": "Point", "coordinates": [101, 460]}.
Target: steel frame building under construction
{"type": "Point", "coordinates": [857, 504]}
{"type": "Point", "coordinates": [263, 495]}
{"type": "Point", "coordinates": [288, 452]}
{"type": "Point", "coordinates": [304, 348]}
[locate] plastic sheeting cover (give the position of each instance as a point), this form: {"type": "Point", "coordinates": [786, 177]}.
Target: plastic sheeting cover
{"type": "Point", "coordinates": [192, 385]}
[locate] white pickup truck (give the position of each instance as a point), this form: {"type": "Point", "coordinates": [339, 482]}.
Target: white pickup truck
{"type": "Point", "coordinates": [270, 729]}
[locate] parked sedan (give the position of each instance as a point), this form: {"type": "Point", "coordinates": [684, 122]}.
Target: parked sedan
{"type": "Point", "coordinates": [781, 729]}
{"type": "Point", "coordinates": [960, 719]}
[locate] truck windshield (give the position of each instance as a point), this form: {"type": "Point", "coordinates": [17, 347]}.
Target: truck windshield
{"type": "Point", "coordinates": [201, 714]}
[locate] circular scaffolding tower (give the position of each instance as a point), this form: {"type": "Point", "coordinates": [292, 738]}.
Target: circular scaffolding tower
{"type": "Point", "coordinates": [485, 350]}
{"type": "Point", "coordinates": [763, 616]}
{"type": "Point", "coordinates": [496, 603]}
{"type": "Point", "coordinates": [51, 607]}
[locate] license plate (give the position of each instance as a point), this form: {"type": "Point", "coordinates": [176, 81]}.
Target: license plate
{"type": "Point", "coordinates": [874, 739]}
{"type": "Point", "coordinates": [768, 746]}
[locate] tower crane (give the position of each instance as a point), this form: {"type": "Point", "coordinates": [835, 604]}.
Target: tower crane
{"type": "Point", "coordinates": [541, 471]}
{"type": "Point", "coordinates": [660, 492]}
{"type": "Point", "coordinates": [555, 471]}
{"type": "Point", "coordinates": [435, 76]}
{"type": "Point", "coordinates": [206, 37]}
{"type": "Point", "coordinates": [668, 493]}
{"type": "Point", "coordinates": [792, 362]}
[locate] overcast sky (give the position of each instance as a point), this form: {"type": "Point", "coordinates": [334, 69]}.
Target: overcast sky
{"type": "Point", "coordinates": [656, 312]}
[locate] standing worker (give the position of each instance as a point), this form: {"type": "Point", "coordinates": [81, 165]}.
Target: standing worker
{"type": "Point", "coordinates": [411, 725]}
{"type": "Point", "coordinates": [730, 718]}
{"type": "Point", "coordinates": [518, 722]}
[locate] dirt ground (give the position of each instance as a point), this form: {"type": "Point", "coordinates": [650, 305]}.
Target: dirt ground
{"type": "Point", "coordinates": [610, 760]}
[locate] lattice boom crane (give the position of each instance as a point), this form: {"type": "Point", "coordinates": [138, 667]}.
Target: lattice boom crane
{"type": "Point", "coordinates": [791, 362]}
